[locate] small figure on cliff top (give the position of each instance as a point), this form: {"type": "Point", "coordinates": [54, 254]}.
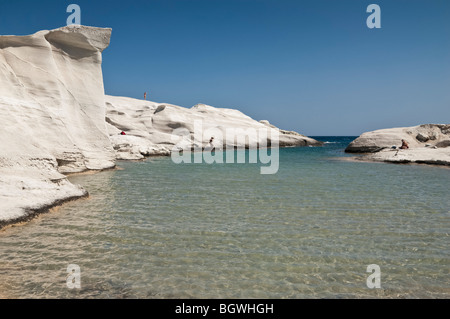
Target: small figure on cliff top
{"type": "Point", "coordinates": [145, 95]}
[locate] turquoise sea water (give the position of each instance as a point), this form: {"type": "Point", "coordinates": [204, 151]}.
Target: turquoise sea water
{"type": "Point", "coordinates": [155, 229]}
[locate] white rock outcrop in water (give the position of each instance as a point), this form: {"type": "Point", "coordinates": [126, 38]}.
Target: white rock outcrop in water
{"type": "Point", "coordinates": [428, 144]}
{"type": "Point", "coordinates": [150, 126]}
{"type": "Point", "coordinates": [417, 136]}
{"type": "Point", "coordinates": [52, 112]}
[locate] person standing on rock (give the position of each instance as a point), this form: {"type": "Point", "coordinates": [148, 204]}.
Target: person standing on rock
{"type": "Point", "coordinates": [145, 95]}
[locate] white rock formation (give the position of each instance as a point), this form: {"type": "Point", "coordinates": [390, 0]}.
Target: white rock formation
{"type": "Point", "coordinates": [422, 155]}
{"type": "Point", "coordinates": [52, 111]}
{"type": "Point", "coordinates": [428, 144]}
{"type": "Point", "coordinates": [417, 136]}
{"type": "Point", "coordinates": [150, 126]}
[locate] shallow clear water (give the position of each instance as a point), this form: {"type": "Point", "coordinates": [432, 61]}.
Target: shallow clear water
{"type": "Point", "coordinates": [155, 229]}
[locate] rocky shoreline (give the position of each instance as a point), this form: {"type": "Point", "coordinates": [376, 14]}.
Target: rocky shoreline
{"type": "Point", "coordinates": [56, 121]}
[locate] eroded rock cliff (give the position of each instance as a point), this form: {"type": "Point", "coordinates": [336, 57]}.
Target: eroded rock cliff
{"type": "Point", "coordinates": [52, 112]}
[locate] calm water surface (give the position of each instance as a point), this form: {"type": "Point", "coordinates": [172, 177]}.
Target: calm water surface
{"type": "Point", "coordinates": [155, 229]}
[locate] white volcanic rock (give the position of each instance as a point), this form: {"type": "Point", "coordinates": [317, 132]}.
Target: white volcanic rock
{"type": "Point", "coordinates": [429, 144]}
{"type": "Point", "coordinates": [52, 111]}
{"type": "Point", "coordinates": [29, 186]}
{"type": "Point", "coordinates": [150, 128]}
{"type": "Point", "coordinates": [422, 155]}
{"type": "Point", "coordinates": [418, 136]}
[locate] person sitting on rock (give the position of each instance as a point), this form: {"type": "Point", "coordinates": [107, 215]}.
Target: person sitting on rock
{"type": "Point", "coordinates": [123, 133]}
{"type": "Point", "coordinates": [404, 146]}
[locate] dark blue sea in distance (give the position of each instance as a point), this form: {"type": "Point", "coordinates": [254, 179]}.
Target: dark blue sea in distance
{"type": "Point", "coordinates": [156, 229]}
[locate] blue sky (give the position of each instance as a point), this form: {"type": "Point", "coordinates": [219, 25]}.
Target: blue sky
{"type": "Point", "coordinates": [311, 66]}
